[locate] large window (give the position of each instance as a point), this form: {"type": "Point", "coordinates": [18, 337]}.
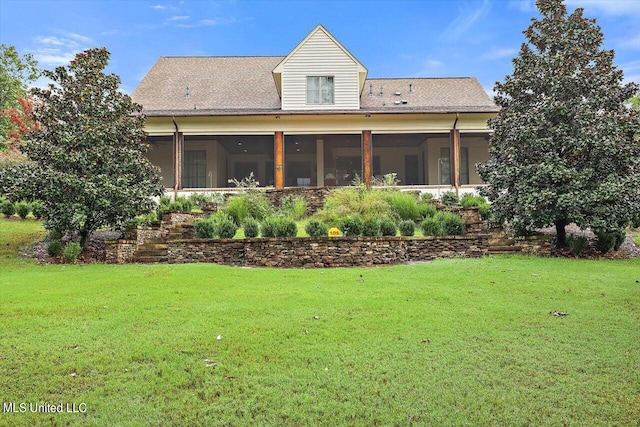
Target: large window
{"type": "Point", "coordinates": [320, 90]}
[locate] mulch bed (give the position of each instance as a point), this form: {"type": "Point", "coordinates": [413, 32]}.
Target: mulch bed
{"type": "Point", "coordinates": [96, 250]}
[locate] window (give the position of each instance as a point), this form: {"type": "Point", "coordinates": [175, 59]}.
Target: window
{"type": "Point", "coordinates": [320, 90]}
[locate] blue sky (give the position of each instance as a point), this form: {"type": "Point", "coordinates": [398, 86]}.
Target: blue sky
{"type": "Point", "coordinates": [413, 38]}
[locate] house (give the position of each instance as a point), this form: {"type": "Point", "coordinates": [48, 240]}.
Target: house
{"type": "Point", "coordinates": [310, 118]}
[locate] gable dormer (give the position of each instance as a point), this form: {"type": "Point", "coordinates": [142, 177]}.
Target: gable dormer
{"type": "Point", "coordinates": [320, 74]}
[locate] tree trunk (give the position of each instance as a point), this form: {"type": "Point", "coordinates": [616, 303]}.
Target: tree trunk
{"type": "Point", "coordinates": [84, 237]}
{"type": "Point", "coordinates": [561, 233]}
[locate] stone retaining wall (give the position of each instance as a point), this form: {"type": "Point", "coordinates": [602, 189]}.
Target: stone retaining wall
{"type": "Point", "coordinates": [325, 251]}
{"type": "Point", "coordinates": [120, 251]}
{"type": "Point", "coordinates": [139, 234]}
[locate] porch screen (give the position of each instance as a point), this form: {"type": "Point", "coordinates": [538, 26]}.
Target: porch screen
{"type": "Point", "coordinates": [445, 166]}
{"type": "Point", "coordinates": [194, 169]}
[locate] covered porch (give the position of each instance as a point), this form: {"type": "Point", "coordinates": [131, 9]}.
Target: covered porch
{"type": "Point", "coordinates": [428, 160]}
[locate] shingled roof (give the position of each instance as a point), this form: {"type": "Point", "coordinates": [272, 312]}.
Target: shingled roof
{"type": "Point", "coordinates": [214, 85]}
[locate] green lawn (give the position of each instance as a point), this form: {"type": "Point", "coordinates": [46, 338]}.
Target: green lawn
{"type": "Point", "coordinates": [452, 342]}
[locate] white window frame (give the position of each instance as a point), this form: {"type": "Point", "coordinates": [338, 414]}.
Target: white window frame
{"type": "Point", "coordinates": [322, 85]}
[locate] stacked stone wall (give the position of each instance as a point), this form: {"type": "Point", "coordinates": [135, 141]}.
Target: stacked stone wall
{"type": "Point", "coordinates": [325, 251]}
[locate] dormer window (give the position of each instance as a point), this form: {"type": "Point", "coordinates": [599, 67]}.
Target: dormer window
{"type": "Point", "coordinates": [320, 90]}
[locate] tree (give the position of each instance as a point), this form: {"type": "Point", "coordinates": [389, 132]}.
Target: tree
{"type": "Point", "coordinates": [15, 75]}
{"type": "Point", "coordinates": [635, 102]}
{"type": "Point", "coordinates": [89, 169]}
{"type": "Point", "coordinates": [564, 147]}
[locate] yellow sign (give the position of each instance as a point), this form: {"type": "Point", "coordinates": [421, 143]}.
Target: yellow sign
{"type": "Point", "coordinates": [334, 232]}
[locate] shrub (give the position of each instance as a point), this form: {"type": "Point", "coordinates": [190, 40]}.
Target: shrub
{"type": "Point", "coordinates": [226, 229]}
{"type": "Point", "coordinates": [351, 225]}
{"type": "Point", "coordinates": [407, 228]}
{"type": "Point", "coordinates": [371, 227]}
{"type": "Point", "coordinates": [387, 227]}
{"type": "Point", "coordinates": [485, 211]}
{"type": "Point", "coordinates": [577, 244]}
{"type": "Point", "coordinates": [315, 228]}
{"type": "Point", "coordinates": [251, 228]}
{"type": "Point", "coordinates": [426, 196]}
{"type": "Point", "coordinates": [605, 241]}
{"type": "Point", "coordinates": [269, 228]}
{"type": "Point", "coordinates": [295, 207]}
{"type": "Point", "coordinates": [237, 208]}
{"type": "Point", "coordinates": [181, 204]}
{"type": "Point", "coordinates": [278, 226]}
{"type": "Point", "coordinates": [205, 229]}
{"type": "Point", "coordinates": [71, 251]}
{"type": "Point", "coordinates": [620, 236]}
{"type": "Point", "coordinates": [54, 248]}
{"type": "Point", "coordinates": [144, 220]}
{"type": "Point", "coordinates": [37, 209]}
{"type": "Point", "coordinates": [426, 210]}
{"type": "Point", "coordinates": [443, 224]}
{"type": "Point", "coordinates": [8, 208]}
{"type": "Point", "coordinates": [432, 227]}
{"type": "Point", "coordinates": [452, 224]}
{"type": "Point", "coordinates": [287, 227]}
{"type": "Point", "coordinates": [23, 209]}
{"type": "Point", "coordinates": [449, 198]}
{"type": "Point", "coordinates": [468, 200]}
{"type": "Point", "coordinates": [347, 201]}
{"type": "Point", "coordinates": [250, 204]}
{"type": "Point", "coordinates": [405, 205]}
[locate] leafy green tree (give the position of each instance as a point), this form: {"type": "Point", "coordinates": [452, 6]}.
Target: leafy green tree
{"type": "Point", "coordinates": [15, 75]}
{"type": "Point", "coordinates": [635, 102]}
{"type": "Point", "coordinates": [89, 169]}
{"type": "Point", "coordinates": [565, 146]}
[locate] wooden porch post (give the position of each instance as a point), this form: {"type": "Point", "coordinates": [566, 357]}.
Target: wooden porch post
{"type": "Point", "coordinates": [178, 146]}
{"type": "Point", "coordinates": [455, 158]}
{"type": "Point", "coordinates": [279, 159]}
{"type": "Point", "coordinates": [366, 158]}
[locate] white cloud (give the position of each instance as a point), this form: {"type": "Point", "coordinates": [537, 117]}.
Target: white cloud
{"type": "Point", "coordinates": [608, 7]}
{"type": "Point", "coordinates": [52, 51]}
{"type": "Point", "coordinates": [179, 18]}
{"type": "Point", "coordinates": [468, 14]}
{"type": "Point", "coordinates": [53, 58]}
{"type": "Point", "coordinates": [500, 52]}
{"type": "Point", "coordinates": [80, 39]}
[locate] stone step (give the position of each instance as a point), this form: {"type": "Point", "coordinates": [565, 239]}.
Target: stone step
{"type": "Point", "coordinates": [155, 241]}
{"type": "Point", "coordinates": [149, 259]}
{"type": "Point", "coordinates": [154, 246]}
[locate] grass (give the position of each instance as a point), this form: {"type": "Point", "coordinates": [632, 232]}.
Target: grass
{"type": "Point", "coordinates": [452, 342]}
